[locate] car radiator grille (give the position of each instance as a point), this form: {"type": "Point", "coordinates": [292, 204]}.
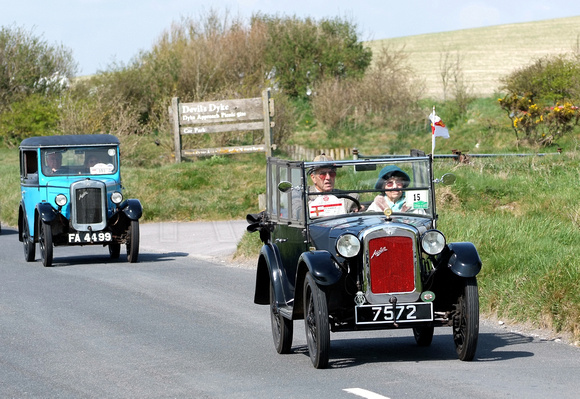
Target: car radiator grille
{"type": "Point", "coordinates": [89, 206]}
{"type": "Point", "coordinates": [392, 267]}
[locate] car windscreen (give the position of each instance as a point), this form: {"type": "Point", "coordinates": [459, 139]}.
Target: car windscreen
{"type": "Point", "coordinates": [73, 161]}
{"type": "Point", "coordinates": [403, 186]}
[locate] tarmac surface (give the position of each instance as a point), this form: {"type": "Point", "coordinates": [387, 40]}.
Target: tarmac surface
{"type": "Point", "coordinates": [213, 241]}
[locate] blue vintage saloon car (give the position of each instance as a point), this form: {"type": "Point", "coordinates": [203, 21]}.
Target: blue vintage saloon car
{"type": "Point", "coordinates": [72, 195]}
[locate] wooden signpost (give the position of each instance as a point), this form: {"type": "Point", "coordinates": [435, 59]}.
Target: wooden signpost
{"type": "Point", "coordinates": [220, 117]}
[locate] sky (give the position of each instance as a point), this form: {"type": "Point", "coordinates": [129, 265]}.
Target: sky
{"type": "Point", "coordinates": [101, 33]}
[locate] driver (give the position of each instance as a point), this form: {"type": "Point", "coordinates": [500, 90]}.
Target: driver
{"type": "Point", "coordinates": [323, 177]}
{"type": "Point", "coordinates": [53, 162]}
{"type": "Point", "coordinates": [391, 177]}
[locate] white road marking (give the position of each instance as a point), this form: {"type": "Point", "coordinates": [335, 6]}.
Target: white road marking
{"type": "Point", "coordinates": [364, 393]}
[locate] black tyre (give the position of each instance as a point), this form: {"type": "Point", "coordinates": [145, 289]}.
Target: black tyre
{"type": "Point", "coordinates": [423, 335]}
{"type": "Point", "coordinates": [282, 328]}
{"type": "Point", "coordinates": [316, 323]}
{"type": "Point", "coordinates": [28, 242]}
{"type": "Point", "coordinates": [133, 242]}
{"type": "Point", "coordinates": [45, 240]}
{"type": "Point", "coordinates": [114, 250]}
{"type": "Point", "coordinates": [466, 321]}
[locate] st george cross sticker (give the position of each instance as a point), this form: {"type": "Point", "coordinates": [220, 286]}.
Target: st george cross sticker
{"type": "Point", "coordinates": [326, 205]}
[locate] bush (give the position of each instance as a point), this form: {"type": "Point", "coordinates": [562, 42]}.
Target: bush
{"type": "Point", "coordinates": [541, 98]}
{"type": "Point", "coordinates": [387, 95]}
{"type": "Point", "coordinates": [29, 65]}
{"type": "Point", "coordinates": [35, 115]}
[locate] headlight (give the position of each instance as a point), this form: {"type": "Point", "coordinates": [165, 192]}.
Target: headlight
{"type": "Point", "coordinates": [61, 200]}
{"type": "Point", "coordinates": [347, 245]}
{"type": "Point", "coordinates": [116, 197]}
{"type": "Point", "coordinates": [433, 242]}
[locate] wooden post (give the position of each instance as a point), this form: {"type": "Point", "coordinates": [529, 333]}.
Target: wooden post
{"type": "Point", "coordinates": [267, 127]}
{"type": "Point", "coordinates": [176, 133]}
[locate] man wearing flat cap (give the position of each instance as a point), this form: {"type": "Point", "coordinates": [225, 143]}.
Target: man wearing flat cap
{"type": "Point", "coordinates": [323, 177]}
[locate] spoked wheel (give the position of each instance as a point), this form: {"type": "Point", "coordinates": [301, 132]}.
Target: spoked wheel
{"type": "Point", "coordinates": [316, 323]}
{"type": "Point", "coordinates": [114, 250]}
{"type": "Point", "coordinates": [45, 241]}
{"type": "Point", "coordinates": [133, 242]}
{"type": "Point", "coordinates": [29, 245]}
{"type": "Point", "coordinates": [282, 328]}
{"type": "Point", "coordinates": [466, 321]}
{"type": "Point", "coordinates": [423, 335]}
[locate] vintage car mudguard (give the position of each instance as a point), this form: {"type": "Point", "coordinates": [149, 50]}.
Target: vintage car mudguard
{"type": "Point", "coordinates": [464, 260]}
{"type": "Point", "coordinates": [46, 212]}
{"type": "Point", "coordinates": [322, 266]}
{"type": "Point", "coordinates": [132, 208]}
{"type": "Point", "coordinates": [270, 270]}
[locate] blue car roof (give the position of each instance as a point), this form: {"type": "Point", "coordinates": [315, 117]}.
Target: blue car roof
{"type": "Point", "coordinates": [69, 140]}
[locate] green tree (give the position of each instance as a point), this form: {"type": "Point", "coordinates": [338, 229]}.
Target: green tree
{"type": "Point", "coordinates": [28, 64]}
{"type": "Point", "coordinates": [300, 53]}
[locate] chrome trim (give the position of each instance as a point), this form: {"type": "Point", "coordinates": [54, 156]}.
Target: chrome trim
{"type": "Point", "coordinates": [391, 230]}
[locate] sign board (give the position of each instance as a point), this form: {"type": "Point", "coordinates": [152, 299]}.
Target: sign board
{"type": "Point", "coordinates": [220, 117]}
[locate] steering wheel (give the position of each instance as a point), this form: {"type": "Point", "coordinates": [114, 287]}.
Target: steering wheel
{"type": "Point", "coordinates": [350, 197]}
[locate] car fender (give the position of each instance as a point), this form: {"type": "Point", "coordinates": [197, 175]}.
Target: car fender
{"type": "Point", "coordinates": [132, 208]}
{"type": "Point", "coordinates": [463, 259]}
{"type": "Point", "coordinates": [270, 269]}
{"type": "Point", "coordinates": [46, 212]}
{"type": "Point", "coordinates": [322, 266]}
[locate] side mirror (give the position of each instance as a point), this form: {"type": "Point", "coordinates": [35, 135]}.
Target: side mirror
{"type": "Point", "coordinates": [448, 179]}
{"type": "Point", "coordinates": [284, 186]}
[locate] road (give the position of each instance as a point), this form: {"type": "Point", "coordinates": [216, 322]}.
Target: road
{"type": "Point", "coordinates": [181, 324]}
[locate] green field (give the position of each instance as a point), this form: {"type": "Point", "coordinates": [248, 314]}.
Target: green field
{"type": "Point", "coordinates": [486, 54]}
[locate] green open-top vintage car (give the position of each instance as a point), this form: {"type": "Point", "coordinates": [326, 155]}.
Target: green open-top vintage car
{"type": "Point", "coordinates": [345, 258]}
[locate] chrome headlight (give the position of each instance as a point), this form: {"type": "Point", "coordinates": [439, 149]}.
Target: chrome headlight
{"type": "Point", "coordinates": [61, 200]}
{"type": "Point", "coordinates": [116, 197]}
{"type": "Point", "coordinates": [347, 245]}
{"type": "Point", "coordinates": [433, 242]}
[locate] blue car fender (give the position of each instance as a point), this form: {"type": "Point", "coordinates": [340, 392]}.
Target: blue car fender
{"type": "Point", "coordinates": [132, 208]}
{"type": "Point", "coordinates": [464, 260]}
{"type": "Point", "coordinates": [322, 266]}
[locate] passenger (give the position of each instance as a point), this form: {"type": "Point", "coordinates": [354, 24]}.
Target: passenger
{"type": "Point", "coordinates": [391, 177]}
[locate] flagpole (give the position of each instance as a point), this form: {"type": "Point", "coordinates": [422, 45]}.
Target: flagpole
{"type": "Point", "coordinates": [433, 133]}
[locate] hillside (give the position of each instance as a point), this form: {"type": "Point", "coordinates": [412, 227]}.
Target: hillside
{"type": "Point", "coordinates": [487, 53]}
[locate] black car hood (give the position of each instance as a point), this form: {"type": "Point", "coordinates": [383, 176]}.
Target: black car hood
{"type": "Point", "coordinates": [323, 233]}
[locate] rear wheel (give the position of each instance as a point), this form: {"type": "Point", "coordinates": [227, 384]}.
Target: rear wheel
{"type": "Point", "coordinates": [282, 328]}
{"type": "Point", "coordinates": [29, 245]}
{"type": "Point", "coordinates": [423, 335]}
{"type": "Point", "coordinates": [316, 323]}
{"type": "Point", "coordinates": [466, 321]}
{"type": "Point", "coordinates": [133, 242]}
{"type": "Point", "coordinates": [45, 241]}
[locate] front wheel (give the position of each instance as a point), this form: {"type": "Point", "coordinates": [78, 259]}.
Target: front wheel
{"type": "Point", "coordinates": [45, 240]}
{"type": "Point", "coordinates": [114, 250]}
{"type": "Point", "coordinates": [423, 335]}
{"type": "Point", "coordinates": [29, 245]}
{"type": "Point", "coordinates": [282, 328]}
{"type": "Point", "coordinates": [466, 321]}
{"type": "Point", "coordinates": [133, 242]}
{"type": "Point", "coordinates": [316, 323]}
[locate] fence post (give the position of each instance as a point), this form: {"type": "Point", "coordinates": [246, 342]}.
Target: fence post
{"type": "Point", "coordinates": [176, 133]}
{"type": "Point", "coordinates": [267, 127]}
